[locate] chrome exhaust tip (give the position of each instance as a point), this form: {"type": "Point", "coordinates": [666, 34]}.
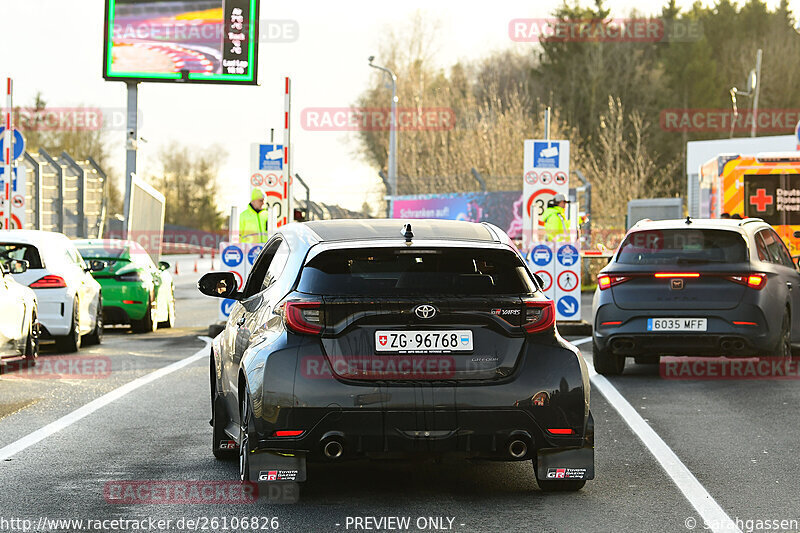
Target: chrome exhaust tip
{"type": "Point", "coordinates": [333, 449]}
{"type": "Point", "coordinates": [517, 449]}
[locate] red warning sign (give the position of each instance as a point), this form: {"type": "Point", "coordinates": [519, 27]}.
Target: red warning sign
{"type": "Point", "coordinates": [18, 201]}
{"type": "Point", "coordinates": [546, 178]}
{"type": "Point", "coordinates": [568, 281]}
{"type": "Point", "coordinates": [531, 177]}
{"type": "Point", "coordinates": [272, 180]}
{"type": "Point", "coordinates": [561, 178]}
{"type": "Point", "coordinates": [547, 278]}
{"type": "Point", "coordinates": [256, 180]}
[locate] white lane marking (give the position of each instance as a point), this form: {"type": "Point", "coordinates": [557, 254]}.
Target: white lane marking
{"type": "Point", "coordinates": [714, 517]}
{"type": "Point", "coordinates": [98, 403]}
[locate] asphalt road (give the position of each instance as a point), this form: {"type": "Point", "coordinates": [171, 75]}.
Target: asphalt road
{"type": "Point", "coordinates": [735, 440]}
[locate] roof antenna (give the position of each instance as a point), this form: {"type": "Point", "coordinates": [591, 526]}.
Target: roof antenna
{"type": "Point", "coordinates": [688, 219]}
{"type": "Point", "coordinates": [407, 233]}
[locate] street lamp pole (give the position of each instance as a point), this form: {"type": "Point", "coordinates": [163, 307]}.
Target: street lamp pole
{"type": "Point", "coordinates": [392, 129]}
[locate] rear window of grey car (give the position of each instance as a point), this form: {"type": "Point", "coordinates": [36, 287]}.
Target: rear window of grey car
{"type": "Point", "coordinates": [682, 246]}
{"type": "Point", "coordinates": [25, 252]}
{"type": "Point", "coordinates": [404, 272]}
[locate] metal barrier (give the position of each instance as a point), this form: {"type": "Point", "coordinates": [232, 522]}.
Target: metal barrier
{"type": "Point", "coordinates": [64, 194]}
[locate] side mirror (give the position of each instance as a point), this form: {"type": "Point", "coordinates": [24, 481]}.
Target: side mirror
{"type": "Point", "coordinates": [163, 265]}
{"type": "Point", "coordinates": [18, 266]}
{"type": "Point", "coordinates": [219, 285]}
{"type": "Point", "coordinates": [96, 265]}
{"type": "Point", "coordinates": [539, 280]}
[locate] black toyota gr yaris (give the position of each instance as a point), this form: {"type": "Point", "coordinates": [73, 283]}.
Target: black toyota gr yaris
{"type": "Point", "coordinates": [378, 339]}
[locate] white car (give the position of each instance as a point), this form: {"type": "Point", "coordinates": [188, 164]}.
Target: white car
{"type": "Point", "coordinates": [69, 299]}
{"type": "Point", "coordinates": [19, 325]}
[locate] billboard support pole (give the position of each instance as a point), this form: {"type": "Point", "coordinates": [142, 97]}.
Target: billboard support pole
{"type": "Point", "coordinates": [132, 134]}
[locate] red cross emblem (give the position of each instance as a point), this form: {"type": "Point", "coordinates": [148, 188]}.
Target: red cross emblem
{"type": "Point", "coordinates": [382, 339]}
{"type": "Point", "coordinates": [761, 200]}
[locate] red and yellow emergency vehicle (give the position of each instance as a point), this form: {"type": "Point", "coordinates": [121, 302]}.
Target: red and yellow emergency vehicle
{"type": "Point", "coordinates": [765, 186]}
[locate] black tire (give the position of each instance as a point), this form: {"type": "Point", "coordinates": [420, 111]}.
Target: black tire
{"type": "Point", "coordinates": [607, 363]}
{"type": "Point", "coordinates": [71, 342]}
{"type": "Point", "coordinates": [147, 324]}
{"type": "Point", "coordinates": [219, 420]}
{"type": "Point", "coordinates": [170, 321]}
{"type": "Point", "coordinates": [784, 346]}
{"type": "Point", "coordinates": [245, 427]}
{"type": "Point", "coordinates": [96, 335]}
{"type": "Point", "coordinates": [32, 341]}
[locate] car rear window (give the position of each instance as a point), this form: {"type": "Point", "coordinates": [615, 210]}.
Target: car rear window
{"type": "Point", "coordinates": [101, 252]}
{"type": "Point", "coordinates": [682, 246]}
{"type": "Point", "coordinates": [402, 272]}
{"type": "Point", "coordinates": [26, 252]}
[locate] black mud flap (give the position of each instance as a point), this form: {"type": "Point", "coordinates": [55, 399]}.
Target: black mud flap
{"type": "Point", "coordinates": [568, 463]}
{"type": "Point", "coordinates": [275, 467]}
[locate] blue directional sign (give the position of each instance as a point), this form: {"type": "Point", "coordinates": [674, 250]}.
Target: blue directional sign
{"type": "Point", "coordinates": [567, 305]}
{"type": "Point", "coordinates": [541, 255]}
{"type": "Point", "coordinates": [568, 255]}
{"type": "Point", "coordinates": [226, 305]}
{"type": "Point", "coordinates": [19, 144]}
{"type": "Point", "coordinates": [232, 256]}
{"type": "Point", "coordinates": [252, 255]}
{"type": "Point", "coordinates": [270, 157]}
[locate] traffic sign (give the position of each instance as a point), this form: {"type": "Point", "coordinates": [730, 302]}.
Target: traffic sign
{"type": "Point", "coordinates": [541, 255]}
{"type": "Point", "coordinates": [531, 177]}
{"type": "Point", "coordinates": [547, 278]}
{"type": "Point", "coordinates": [18, 201]}
{"type": "Point", "coordinates": [225, 306]}
{"type": "Point", "coordinates": [256, 180]}
{"type": "Point", "coordinates": [270, 157]}
{"type": "Point", "coordinates": [252, 253]}
{"type": "Point", "coordinates": [232, 256]}
{"type": "Point", "coordinates": [567, 280]}
{"type": "Point", "coordinates": [547, 178]}
{"type": "Point", "coordinates": [560, 178]}
{"type": "Point", "coordinates": [19, 143]}
{"type": "Point", "coordinates": [567, 306]}
{"type": "Point", "coordinates": [568, 255]}
{"type": "Point", "coordinates": [272, 180]}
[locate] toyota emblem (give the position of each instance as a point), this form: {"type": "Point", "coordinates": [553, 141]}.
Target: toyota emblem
{"type": "Point", "coordinates": [425, 311]}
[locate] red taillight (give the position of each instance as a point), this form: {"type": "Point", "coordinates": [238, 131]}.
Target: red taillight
{"type": "Point", "coordinates": [754, 281]}
{"type": "Point", "coordinates": [130, 302]}
{"type": "Point", "coordinates": [604, 281]}
{"type": "Point", "coordinates": [303, 317]}
{"type": "Point", "coordinates": [288, 433]}
{"type": "Point", "coordinates": [677, 275]}
{"type": "Point", "coordinates": [561, 431]}
{"type": "Point", "coordinates": [613, 323]}
{"type": "Point", "coordinates": [739, 323]}
{"type": "Point", "coordinates": [49, 282]}
{"type": "Point", "coordinates": [539, 315]}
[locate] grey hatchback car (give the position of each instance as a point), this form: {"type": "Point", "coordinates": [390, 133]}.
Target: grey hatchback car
{"type": "Point", "coordinates": [696, 287]}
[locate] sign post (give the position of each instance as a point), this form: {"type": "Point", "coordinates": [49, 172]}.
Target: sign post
{"type": "Point", "coordinates": [8, 152]}
{"type": "Point", "coordinates": [287, 143]}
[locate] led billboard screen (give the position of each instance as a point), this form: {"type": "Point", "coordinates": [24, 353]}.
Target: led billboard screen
{"type": "Point", "coordinates": [196, 41]}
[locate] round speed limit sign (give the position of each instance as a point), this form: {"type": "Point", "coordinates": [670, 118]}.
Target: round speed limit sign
{"type": "Point", "coordinates": [538, 201]}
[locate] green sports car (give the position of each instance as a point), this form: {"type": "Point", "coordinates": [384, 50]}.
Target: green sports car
{"type": "Point", "coordinates": [135, 290]}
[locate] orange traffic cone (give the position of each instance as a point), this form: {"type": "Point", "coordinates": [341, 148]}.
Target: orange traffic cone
{"type": "Point", "coordinates": [176, 268]}
{"type": "Point", "coordinates": [195, 266]}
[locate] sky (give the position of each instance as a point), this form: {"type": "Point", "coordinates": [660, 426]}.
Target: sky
{"type": "Point", "coordinates": [55, 46]}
